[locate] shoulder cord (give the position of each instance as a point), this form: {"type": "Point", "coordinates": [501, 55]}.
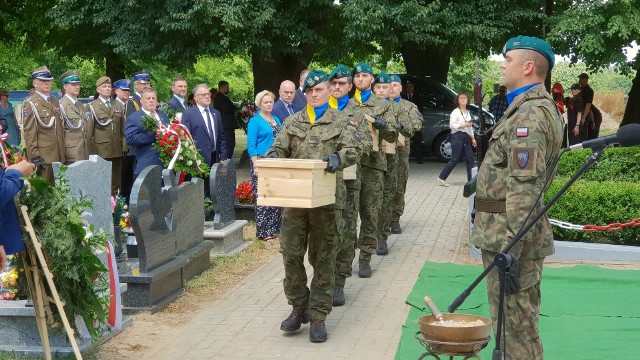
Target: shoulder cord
{"type": "Point", "coordinates": [110, 121]}
{"type": "Point", "coordinates": [68, 122]}
{"type": "Point", "coordinates": [39, 120]}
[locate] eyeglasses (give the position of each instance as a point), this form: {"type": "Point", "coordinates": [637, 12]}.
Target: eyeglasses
{"type": "Point", "coordinates": [339, 83]}
{"type": "Point", "coordinates": [203, 94]}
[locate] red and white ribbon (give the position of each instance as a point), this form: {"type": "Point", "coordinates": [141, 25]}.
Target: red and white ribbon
{"type": "Point", "coordinates": [4, 137]}
{"type": "Point", "coordinates": [164, 129]}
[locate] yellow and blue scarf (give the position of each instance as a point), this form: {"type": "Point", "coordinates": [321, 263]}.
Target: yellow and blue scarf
{"type": "Point", "coordinates": [362, 96]}
{"type": "Point", "coordinates": [316, 113]}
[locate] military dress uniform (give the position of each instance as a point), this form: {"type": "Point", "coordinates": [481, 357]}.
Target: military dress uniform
{"type": "Point", "coordinates": [141, 77]}
{"type": "Point", "coordinates": [314, 229]}
{"type": "Point", "coordinates": [108, 134]}
{"type": "Point", "coordinates": [128, 157]}
{"type": "Point", "coordinates": [43, 128]}
{"type": "Point", "coordinates": [414, 118]}
{"type": "Point", "coordinates": [78, 125]}
{"type": "Point", "coordinates": [510, 180]}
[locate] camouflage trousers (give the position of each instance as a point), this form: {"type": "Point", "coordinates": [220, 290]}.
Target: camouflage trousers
{"type": "Point", "coordinates": [388, 199]}
{"type": "Point", "coordinates": [401, 187]}
{"type": "Point", "coordinates": [315, 231]}
{"type": "Point", "coordinates": [348, 235]}
{"type": "Point", "coordinates": [371, 193]}
{"type": "Point", "coordinates": [522, 310]}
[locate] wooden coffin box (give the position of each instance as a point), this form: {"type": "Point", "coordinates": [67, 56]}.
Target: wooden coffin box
{"type": "Point", "coordinates": [401, 141]}
{"type": "Point", "coordinates": [388, 148]}
{"type": "Point", "coordinates": [295, 183]}
{"type": "Point", "coordinates": [350, 173]}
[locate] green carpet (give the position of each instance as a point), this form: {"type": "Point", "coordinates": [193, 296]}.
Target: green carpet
{"type": "Point", "coordinates": [587, 312]}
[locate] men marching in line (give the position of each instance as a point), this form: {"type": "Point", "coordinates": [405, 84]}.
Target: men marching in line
{"type": "Point", "coordinates": [78, 124]}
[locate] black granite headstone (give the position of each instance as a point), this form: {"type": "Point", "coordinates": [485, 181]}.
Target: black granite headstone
{"type": "Point", "coordinates": [223, 193]}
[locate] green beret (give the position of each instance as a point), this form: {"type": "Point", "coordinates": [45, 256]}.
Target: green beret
{"type": "Point", "coordinates": [314, 78]}
{"type": "Point", "coordinates": [383, 78]}
{"type": "Point", "coordinates": [395, 78]}
{"type": "Point", "coordinates": [340, 71]}
{"type": "Point", "coordinates": [362, 68]}
{"type": "Point", "coordinates": [531, 43]}
{"type": "Point", "coordinates": [70, 77]}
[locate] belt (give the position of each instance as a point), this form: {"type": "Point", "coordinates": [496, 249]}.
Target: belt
{"type": "Point", "coordinates": [491, 206]}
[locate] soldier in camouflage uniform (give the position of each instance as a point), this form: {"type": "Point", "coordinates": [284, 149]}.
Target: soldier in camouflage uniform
{"type": "Point", "coordinates": [317, 132]}
{"type": "Point", "coordinates": [382, 88]}
{"type": "Point", "coordinates": [514, 172]}
{"type": "Point", "coordinates": [373, 165]}
{"type": "Point", "coordinates": [43, 126]}
{"type": "Point", "coordinates": [341, 84]}
{"type": "Point", "coordinates": [414, 119]}
{"type": "Point", "coordinates": [77, 120]}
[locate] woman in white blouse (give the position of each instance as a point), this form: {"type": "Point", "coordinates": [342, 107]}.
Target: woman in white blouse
{"type": "Point", "coordinates": [462, 138]}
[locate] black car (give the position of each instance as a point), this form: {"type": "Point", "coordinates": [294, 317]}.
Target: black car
{"type": "Point", "coordinates": [437, 101]}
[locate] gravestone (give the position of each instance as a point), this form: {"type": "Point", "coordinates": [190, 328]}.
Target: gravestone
{"type": "Point", "coordinates": [225, 231]}
{"type": "Point", "coordinates": [223, 193]}
{"type": "Point", "coordinates": [167, 220]}
{"type": "Point", "coordinates": [92, 179]}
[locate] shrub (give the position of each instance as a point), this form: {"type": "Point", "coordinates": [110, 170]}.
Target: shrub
{"type": "Point", "coordinates": [616, 164]}
{"type": "Point", "coordinates": [596, 203]}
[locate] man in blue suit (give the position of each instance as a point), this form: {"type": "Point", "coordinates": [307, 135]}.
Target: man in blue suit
{"type": "Point", "coordinates": [205, 126]}
{"type": "Point", "coordinates": [10, 233]}
{"type": "Point", "coordinates": [138, 138]}
{"type": "Point", "coordinates": [285, 107]}
{"type": "Point", "coordinates": [300, 100]}
{"type": "Point", "coordinates": [178, 102]}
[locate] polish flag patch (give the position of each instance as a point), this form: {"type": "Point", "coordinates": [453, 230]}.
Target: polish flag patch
{"type": "Point", "coordinates": [521, 132]}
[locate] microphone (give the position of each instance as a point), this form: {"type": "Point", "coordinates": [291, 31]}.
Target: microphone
{"type": "Point", "coordinates": [628, 135]}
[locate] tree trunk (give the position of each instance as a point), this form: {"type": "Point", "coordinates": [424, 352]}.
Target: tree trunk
{"type": "Point", "coordinates": [548, 11]}
{"type": "Point", "coordinates": [632, 111]}
{"type": "Point", "coordinates": [268, 73]}
{"type": "Point", "coordinates": [114, 67]}
{"type": "Point", "coordinates": [433, 62]}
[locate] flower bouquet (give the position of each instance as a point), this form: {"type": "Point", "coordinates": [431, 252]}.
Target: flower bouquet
{"type": "Point", "coordinates": [246, 110]}
{"type": "Point", "coordinates": [11, 154]}
{"type": "Point", "coordinates": [176, 147]}
{"type": "Point", "coordinates": [174, 116]}
{"type": "Point", "coordinates": [9, 285]}
{"type": "Point", "coordinates": [244, 193]}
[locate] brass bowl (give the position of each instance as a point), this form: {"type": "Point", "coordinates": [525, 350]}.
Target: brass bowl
{"type": "Point", "coordinates": [465, 338]}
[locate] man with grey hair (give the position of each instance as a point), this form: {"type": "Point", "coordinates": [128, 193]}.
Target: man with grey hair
{"type": "Point", "coordinates": [138, 138]}
{"type": "Point", "coordinates": [285, 107]}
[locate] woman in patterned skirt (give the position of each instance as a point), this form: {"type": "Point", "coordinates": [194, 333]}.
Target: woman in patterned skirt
{"type": "Point", "coordinates": [261, 131]}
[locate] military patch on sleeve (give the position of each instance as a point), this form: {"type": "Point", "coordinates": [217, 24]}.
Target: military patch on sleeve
{"type": "Point", "coordinates": [523, 161]}
{"type": "Point", "coordinates": [522, 158]}
{"type": "Point", "coordinates": [24, 113]}
{"type": "Point", "coordinates": [522, 132]}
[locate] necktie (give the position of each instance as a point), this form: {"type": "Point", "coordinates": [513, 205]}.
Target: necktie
{"type": "Point", "coordinates": [290, 109]}
{"type": "Point", "coordinates": [108, 103]}
{"type": "Point", "coordinates": [184, 104]}
{"type": "Point", "coordinates": [212, 136]}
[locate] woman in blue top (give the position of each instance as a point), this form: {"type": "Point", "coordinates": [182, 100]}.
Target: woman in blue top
{"type": "Point", "coordinates": [6, 113]}
{"type": "Point", "coordinates": [261, 132]}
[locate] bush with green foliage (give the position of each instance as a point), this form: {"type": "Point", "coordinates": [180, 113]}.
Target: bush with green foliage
{"type": "Point", "coordinates": [607, 193]}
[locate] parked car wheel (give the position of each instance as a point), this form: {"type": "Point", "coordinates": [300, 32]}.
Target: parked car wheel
{"type": "Point", "coordinates": [442, 148]}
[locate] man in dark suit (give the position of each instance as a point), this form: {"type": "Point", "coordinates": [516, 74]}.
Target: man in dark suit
{"type": "Point", "coordinates": [141, 80]}
{"type": "Point", "coordinates": [227, 109]}
{"type": "Point", "coordinates": [123, 89]}
{"type": "Point", "coordinates": [416, 139]}
{"type": "Point", "coordinates": [285, 107]}
{"type": "Point", "coordinates": [300, 100]}
{"type": "Point", "coordinates": [206, 129]}
{"type": "Point", "coordinates": [139, 139]}
{"type": "Point", "coordinates": [178, 102]}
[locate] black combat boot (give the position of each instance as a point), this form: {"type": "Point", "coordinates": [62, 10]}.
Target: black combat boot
{"type": "Point", "coordinates": [395, 228]}
{"type": "Point", "coordinates": [338, 296]}
{"type": "Point", "coordinates": [317, 331]}
{"type": "Point", "coordinates": [383, 249]}
{"type": "Point", "coordinates": [297, 317]}
{"type": "Point", "coordinates": [365, 269]}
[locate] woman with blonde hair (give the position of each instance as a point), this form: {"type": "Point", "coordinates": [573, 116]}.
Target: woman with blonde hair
{"type": "Point", "coordinates": [261, 131]}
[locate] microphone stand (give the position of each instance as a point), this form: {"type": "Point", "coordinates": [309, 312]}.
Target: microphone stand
{"type": "Point", "coordinates": [505, 259]}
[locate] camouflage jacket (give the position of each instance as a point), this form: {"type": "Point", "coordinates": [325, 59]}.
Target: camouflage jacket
{"type": "Point", "coordinates": [514, 173]}
{"type": "Point", "coordinates": [376, 107]}
{"type": "Point", "coordinates": [332, 133]}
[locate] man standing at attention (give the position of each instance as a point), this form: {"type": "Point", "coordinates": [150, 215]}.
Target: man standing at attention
{"type": "Point", "coordinates": [299, 99]}
{"type": "Point", "coordinates": [586, 92]}
{"type": "Point", "coordinates": [108, 130]}
{"type": "Point", "coordinates": [43, 126]}
{"type": "Point", "coordinates": [123, 89]}
{"type": "Point", "coordinates": [227, 110]}
{"type": "Point", "coordinates": [511, 183]}
{"type": "Point", "coordinates": [78, 124]}
{"type": "Point", "coordinates": [178, 102]}
{"type": "Point", "coordinates": [318, 132]}
{"type": "Point", "coordinates": [141, 80]}
{"type": "Point", "coordinates": [285, 107]}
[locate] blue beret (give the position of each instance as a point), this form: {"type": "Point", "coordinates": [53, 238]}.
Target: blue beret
{"type": "Point", "coordinates": [382, 78]}
{"type": "Point", "coordinates": [395, 78]}
{"type": "Point", "coordinates": [314, 78]}
{"type": "Point", "coordinates": [123, 84]}
{"type": "Point", "coordinates": [362, 68]}
{"type": "Point", "coordinates": [531, 43]}
{"type": "Point", "coordinates": [70, 77]}
{"type": "Point", "coordinates": [142, 76]}
{"type": "Point", "coordinates": [340, 71]}
{"type": "Point", "coordinates": [41, 73]}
